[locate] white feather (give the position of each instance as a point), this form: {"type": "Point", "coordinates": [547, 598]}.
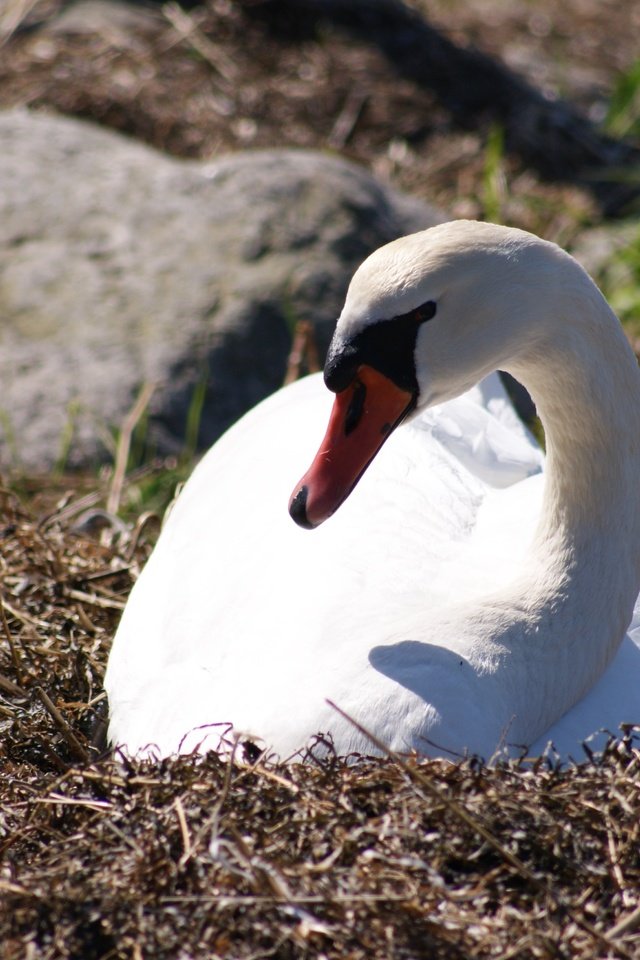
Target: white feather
{"type": "Point", "coordinates": [457, 601]}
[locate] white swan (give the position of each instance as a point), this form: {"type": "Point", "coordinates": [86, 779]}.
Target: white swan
{"type": "Point", "coordinates": [459, 600]}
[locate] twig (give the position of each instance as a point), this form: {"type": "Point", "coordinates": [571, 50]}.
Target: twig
{"type": "Point", "coordinates": [276, 779]}
{"type": "Point", "coordinates": [184, 830]}
{"type": "Point", "coordinates": [6, 886]}
{"type": "Point", "coordinates": [124, 445]}
{"type": "Point", "coordinates": [188, 30]}
{"type": "Point", "coordinates": [93, 600]}
{"type": "Point", "coordinates": [103, 574]}
{"type": "Point", "coordinates": [69, 509]}
{"type": "Point", "coordinates": [13, 16]}
{"type": "Point", "coordinates": [68, 735]}
{"type": "Point", "coordinates": [22, 616]}
{"type": "Point", "coordinates": [347, 119]}
{"type": "Point", "coordinates": [57, 799]}
{"type": "Point", "coordinates": [85, 622]}
{"type": "Point", "coordinates": [143, 521]}
{"type": "Point", "coordinates": [8, 686]}
{"type": "Point", "coordinates": [267, 874]}
{"type": "Point", "coordinates": [12, 647]}
{"type": "Point", "coordinates": [130, 842]}
{"type": "Point", "coordinates": [303, 348]}
{"type": "Point", "coordinates": [416, 777]}
{"type": "Point", "coordinates": [626, 925]}
{"type": "Point", "coordinates": [614, 862]}
{"type": "Point", "coordinates": [323, 899]}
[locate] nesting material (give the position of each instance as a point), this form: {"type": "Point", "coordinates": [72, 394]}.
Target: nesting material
{"type": "Point", "coordinates": [396, 858]}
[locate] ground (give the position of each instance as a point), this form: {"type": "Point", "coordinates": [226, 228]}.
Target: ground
{"type": "Point", "coordinates": [380, 859]}
{"type": "Point", "coordinates": [227, 76]}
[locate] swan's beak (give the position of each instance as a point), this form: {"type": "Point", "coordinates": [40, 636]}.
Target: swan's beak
{"type": "Point", "coordinates": [363, 416]}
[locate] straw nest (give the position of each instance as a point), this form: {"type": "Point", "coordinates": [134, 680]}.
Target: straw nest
{"type": "Point", "coordinates": [395, 858]}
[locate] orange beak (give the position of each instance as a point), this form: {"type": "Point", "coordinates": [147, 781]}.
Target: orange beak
{"type": "Point", "coordinates": [363, 416]}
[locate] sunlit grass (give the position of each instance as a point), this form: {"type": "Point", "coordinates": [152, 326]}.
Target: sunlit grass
{"type": "Point", "coordinates": [619, 280]}
{"type": "Point", "coordinates": [150, 484]}
{"type": "Point", "coordinates": [623, 115]}
{"type": "Point", "coordinates": [494, 182]}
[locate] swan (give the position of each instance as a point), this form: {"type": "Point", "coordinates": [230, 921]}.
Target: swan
{"type": "Point", "coordinates": [460, 592]}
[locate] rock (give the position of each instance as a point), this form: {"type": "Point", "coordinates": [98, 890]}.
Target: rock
{"type": "Point", "coordinates": [120, 266]}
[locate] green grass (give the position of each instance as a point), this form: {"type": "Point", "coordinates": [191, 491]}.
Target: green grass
{"type": "Point", "coordinates": [494, 181]}
{"type": "Point", "coordinates": [619, 280]}
{"type": "Point", "coordinates": [194, 416]}
{"type": "Point", "coordinates": [66, 437]}
{"type": "Point", "coordinates": [494, 186]}
{"type": "Point", "coordinates": [151, 490]}
{"type": "Point", "coordinates": [623, 115]}
{"type": "Point", "coordinates": [150, 484]}
{"type": "Point", "coordinates": [9, 438]}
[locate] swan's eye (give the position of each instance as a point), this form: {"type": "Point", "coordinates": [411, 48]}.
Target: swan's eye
{"type": "Point", "coordinates": [426, 312]}
{"type": "Point", "coordinates": [386, 345]}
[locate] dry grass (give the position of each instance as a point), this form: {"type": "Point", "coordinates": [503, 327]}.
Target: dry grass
{"type": "Point", "coordinates": [230, 76]}
{"type": "Point", "coordinates": [200, 858]}
{"type": "Point", "coordinates": [101, 858]}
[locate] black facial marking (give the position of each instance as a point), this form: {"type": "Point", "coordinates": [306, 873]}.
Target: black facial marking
{"type": "Point", "coordinates": [425, 311]}
{"type": "Point", "coordinates": [388, 346]}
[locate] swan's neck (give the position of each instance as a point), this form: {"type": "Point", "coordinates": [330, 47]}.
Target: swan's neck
{"type": "Point", "coordinates": [587, 390]}
{"type": "Point", "coordinates": [576, 597]}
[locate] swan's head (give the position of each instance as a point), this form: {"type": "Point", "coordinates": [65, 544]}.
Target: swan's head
{"type": "Point", "coordinates": [425, 318]}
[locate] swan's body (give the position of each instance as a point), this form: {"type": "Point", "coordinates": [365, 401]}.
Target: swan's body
{"type": "Point", "coordinates": [460, 600]}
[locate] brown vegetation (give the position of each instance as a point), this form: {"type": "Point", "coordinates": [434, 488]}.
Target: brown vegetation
{"type": "Point", "coordinates": [107, 858]}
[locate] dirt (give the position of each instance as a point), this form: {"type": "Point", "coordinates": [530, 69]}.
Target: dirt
{"type": "Point", "coordinates": [106, 858]}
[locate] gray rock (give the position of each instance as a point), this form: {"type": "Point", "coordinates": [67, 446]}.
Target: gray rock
{"type": "Point", "coordinates": [120, 266]}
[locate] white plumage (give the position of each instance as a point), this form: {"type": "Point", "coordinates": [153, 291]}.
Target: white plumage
{"type": "Point", "coordinates": [467, 596]}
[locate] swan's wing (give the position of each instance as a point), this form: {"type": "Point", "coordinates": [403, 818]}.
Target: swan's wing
{"type": "Point", "coordinates": [231, 617]}
{"type": "Point", "coordinates": [483, 431]}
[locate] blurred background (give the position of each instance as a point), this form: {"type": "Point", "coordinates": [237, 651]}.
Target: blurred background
{"type": "Point", "coordinates": [525, 113]}
{"type": "Point", "coordinates": [408, 91]}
